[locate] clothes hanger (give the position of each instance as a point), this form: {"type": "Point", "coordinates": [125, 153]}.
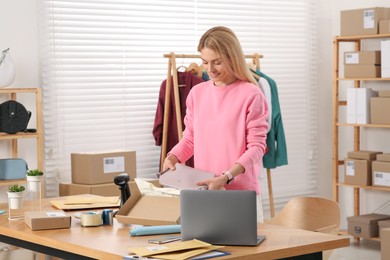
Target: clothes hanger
{"type": "Point", "coordinates": [195, 69]}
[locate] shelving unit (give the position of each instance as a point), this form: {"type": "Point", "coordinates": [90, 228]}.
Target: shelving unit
{"type": "Point", "coordinates": [337, 104]}
{"type": "Point", "coordinates": [14, 138]}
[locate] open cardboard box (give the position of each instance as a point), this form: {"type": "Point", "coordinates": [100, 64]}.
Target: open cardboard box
{"type": "Point", "coordinates": [149, 210]}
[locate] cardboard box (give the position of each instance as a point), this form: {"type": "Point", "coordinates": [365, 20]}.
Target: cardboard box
{"type": "Point", "coordinates": [384, 26]}
{"type": "Point", "coordinates": [364, 155]}
{"type": "Point", "coordinates": [107, 189]}
{"type": "Point", "coordinates": [383, 224]}
{"type": "Point", "coordinates": [358, 172]}
{"type": "Point", "coordinates": [385, 54]}
{"type": "Point", "coordinates": [362, 21]}
{"type": "Point", "coordinates": [381, 174]}
{"type": "Point", "coordinates": [365, 226]}
{"type": "Point", "coordinates": [385, 242]}
{"type": "Point", "coordinates": [362, 71]}
{"type": "Point", "coordinates": [98, 168]}
{"type": "Point", "coordinates": [379, 110]}
{"type": "Point", "coordinates": [363, 57]}
{"type": "Point", "coordinates": [384, 93]}
{"type": "Point", "coordinates": [384, 157]}
{"type": "Point", "coordinates": [149, 210]}
{"type": "Point", "coordinates": [42, 220]}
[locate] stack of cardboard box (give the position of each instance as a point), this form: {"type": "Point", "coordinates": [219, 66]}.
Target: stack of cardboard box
{"type": "Point", "coordinates": [93, 173]}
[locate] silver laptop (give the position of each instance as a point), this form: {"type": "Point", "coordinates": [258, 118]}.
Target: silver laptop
{"type": "Point", "coordinates": [220, 217]}
{"type": "Point", "coordinates": [184, 177]}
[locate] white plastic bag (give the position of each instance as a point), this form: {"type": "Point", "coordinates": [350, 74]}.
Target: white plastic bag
{"type": "Point", "coordinates": [7, 69]}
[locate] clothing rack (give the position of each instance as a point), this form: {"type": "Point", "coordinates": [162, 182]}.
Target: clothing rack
{"type": "Point", "coordinates": [172, 74]}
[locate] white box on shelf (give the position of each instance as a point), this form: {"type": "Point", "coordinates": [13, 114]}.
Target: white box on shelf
{"type": "Point", "coordinates": [351, 105]}
{"type": "Point", "coordinates": [385, 57]}
{"type": "Point", "coordinates": [363, 96]}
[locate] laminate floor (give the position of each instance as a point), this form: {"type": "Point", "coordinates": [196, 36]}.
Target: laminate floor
{"type": "Point", "coordinates": [358, 250]}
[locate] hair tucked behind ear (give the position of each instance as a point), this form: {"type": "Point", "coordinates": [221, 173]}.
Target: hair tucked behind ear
{"type": "Point", "coordinates": [224, 42]}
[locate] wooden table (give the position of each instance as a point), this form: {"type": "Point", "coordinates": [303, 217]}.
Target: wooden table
{"type": "Point", "coordinates": [113, 242]}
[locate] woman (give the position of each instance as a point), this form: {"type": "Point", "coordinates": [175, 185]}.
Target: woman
{"type": "Point", "coordinates": [225, 122]}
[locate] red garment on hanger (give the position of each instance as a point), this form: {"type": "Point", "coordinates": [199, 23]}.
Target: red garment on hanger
{"type": "Point", "coordinates": [186, 81]}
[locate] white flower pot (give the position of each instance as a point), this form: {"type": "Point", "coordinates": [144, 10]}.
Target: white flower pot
{"type": "Point", "coordinates": [15, 199]}
{"type": "Point", "coordinates": [34, 183]}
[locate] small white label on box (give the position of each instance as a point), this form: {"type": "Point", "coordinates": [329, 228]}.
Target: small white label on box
{"type": "Point", "coordinates": [369, 19]}
{"type": "Point", "coordinates": [382, 178]}
{"type": "Point", "coordinates": [352, 58]}
{"type": "Point", "coordinates": [350, 168]}
{"type": "Point", "coordinates": [114, 164]}
{"type": "Point", "coordinates": [55, 214]}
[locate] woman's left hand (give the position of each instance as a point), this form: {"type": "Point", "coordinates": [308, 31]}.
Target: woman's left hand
{"type": "Point", "coordinates": [216, 183]}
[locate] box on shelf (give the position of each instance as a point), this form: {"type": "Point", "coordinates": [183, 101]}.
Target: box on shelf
{"type": "Point", "coordinates": [363, 154]}
{"type": "Point", "coordinates": [383, 224]}
{"type": "Point", "coordinates": [362, 57]}
{"type": "Point", "coordinates": [362, 21]}
{"type": "Point", "coordinates": [381, 174]}
{"type": "Point", "coordinates": [358, 105]}
{"type": "Point", "coordinates": [384, 26]}
{"type": "Point", "coordinates": [98, 168]}
{"type": "Point", "coordinates": [385, 54]}
{"type": "Point", "coordinates": [42, 220]}
{"type": "Point", "coordinates": [362, 71]}
{"type": "Point", "coordinates": [384, 157]}
{"type": "Point", "coordinates": [379, 110]}
{"type": "Point", "coordinates": [365, 226]}
{"type": "Point", "coordinates": [149, 210]}
{"type": "Point", "coordinates": [357, 172]}
{"type": "Point", "coordinates": [385, 242]}
{"type": "Point", "coordinates": [384, 93]}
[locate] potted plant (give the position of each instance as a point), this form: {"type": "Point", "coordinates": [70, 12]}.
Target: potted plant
{"type": "Point", "coordinates": [34, 178]}
{"type": "Point", "coordinates": [15, 196]}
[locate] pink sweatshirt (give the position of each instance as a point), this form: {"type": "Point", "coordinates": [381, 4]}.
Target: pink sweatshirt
{"type": "Point", "coordinates": [225, 125]}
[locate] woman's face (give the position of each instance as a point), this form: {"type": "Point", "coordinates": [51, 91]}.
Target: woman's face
{"type": "Point", "coordinates": [216, 69]}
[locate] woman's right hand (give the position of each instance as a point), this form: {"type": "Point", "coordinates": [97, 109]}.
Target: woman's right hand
{"type": "Point", "coordinates": [170, 162]}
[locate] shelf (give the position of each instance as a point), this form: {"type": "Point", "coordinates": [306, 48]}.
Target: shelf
{"type": "Point", "coordinates": [364, 125]}
{"type": "Point", "coordinates": [364, 187]}
{"type": "Point", "coordinates": [361, 37]}
{"type": "Point", "coordinates": [365, 79]}
{"type": "Point", "coordinates": [5, 136]}
{"type": "Point", "coordinates": [345, 233]}
{"type": "Point", "coordinates": [12, 182]}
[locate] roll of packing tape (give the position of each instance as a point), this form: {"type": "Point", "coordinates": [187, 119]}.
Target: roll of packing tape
{"type": "Point", "coordinates": [91, 219]}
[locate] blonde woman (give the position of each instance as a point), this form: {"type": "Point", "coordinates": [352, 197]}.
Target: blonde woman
{"type": "Point", "coordinates": [225, 122]}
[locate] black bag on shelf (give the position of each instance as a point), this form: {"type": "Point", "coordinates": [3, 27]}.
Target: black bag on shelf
{"type": "Point", "coordinates": [14, 117]}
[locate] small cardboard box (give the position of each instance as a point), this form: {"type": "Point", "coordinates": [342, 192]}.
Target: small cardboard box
{"type": "Point", "coordinates": [98, 168]}
{"type": "Point", "coordinates": [383, 224]}
{"type": "Point", "coordinates": [384, 93]}
{"type": "Point", "coordinates": [385, 242]}
{"type": "Point", "coordinates": [384, 26]}
{"type": "Point", "coordinates": [379, 110]}
{"type": "Point", "coordinates": [383, 157]}
{"type": "Point", "coordinates": [362, 21]}
{"type": "Point", "coordinates": [363, 154]}
{"type": "Point", "coordinates": [362, 71]}
{"type": "Point", "coordinates": [357, 172]}
{"type": "Point", "coordinates": [363, 57]}
{"type": "Point", "coordinates": [381, 174]}
{"type": "Point", "coordinates": [41, 220]}
{"type": "Point", "coordinates": [365, 226]}
{"type": "Point", "coordinates": [149, 210]}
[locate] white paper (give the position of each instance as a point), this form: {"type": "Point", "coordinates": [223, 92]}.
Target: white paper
{"type": "Point", "coordinates": [352, 58]}
{"type": "Point", "coordinates": [114, 164]}
{"type": "Point", "coordinates": [350, 168]}
{"type": "Point", "coordinates": [382, 178]}
{"type": "Point", "coordinates": [369, 19]}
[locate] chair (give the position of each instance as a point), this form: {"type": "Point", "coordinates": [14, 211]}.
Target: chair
{"type": "Point", "coordinates": [310, 213]}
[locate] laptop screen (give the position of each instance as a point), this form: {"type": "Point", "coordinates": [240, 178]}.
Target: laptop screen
{"type": "Point", "coordinates": [220, 217]}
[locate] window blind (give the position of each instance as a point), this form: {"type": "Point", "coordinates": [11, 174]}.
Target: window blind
{"type": "Point", "coordinates": [102, 66]}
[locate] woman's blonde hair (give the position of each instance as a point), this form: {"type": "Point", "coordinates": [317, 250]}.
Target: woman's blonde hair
{"type": "Point", "coordinates": [225, 43]}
